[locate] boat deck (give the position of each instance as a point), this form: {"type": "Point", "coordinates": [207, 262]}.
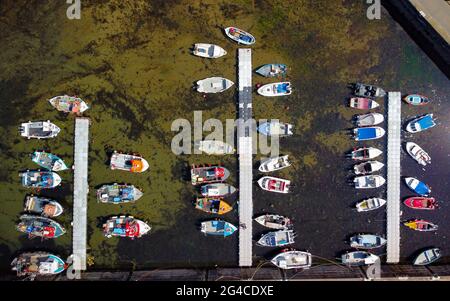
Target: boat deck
{"type": "Point", "coordinates": [393, 177]}
{"type": "Point", "coordinates": [80, 192]}
{"type": "Point", "coordinates": [245, 142]}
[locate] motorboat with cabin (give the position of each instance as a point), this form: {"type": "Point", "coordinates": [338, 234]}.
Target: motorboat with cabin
{"type": "Point", "coordinates": [125, 226]}
{"type": "Point", "coordinates": [275, 89]}
{"type": "Point", "coordinates": [40, 179]}
{"type": "Point", "coordinates": [39, 226]}
{"type": "Point", "coordinates": [418, 154]}
{"type": "Point", "coordinates": [273, 184]}
{"type": "Point", "coordinates": [421, 123]}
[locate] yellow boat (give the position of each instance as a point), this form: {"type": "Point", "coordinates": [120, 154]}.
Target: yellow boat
{"type": "Point", "coordinates": [213, 205]}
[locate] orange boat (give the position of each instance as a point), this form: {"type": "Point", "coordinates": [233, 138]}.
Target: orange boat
{"type": "Point", "coordinates": [213, 205]}
{"type": "Point", "coordinates": [131, 163]}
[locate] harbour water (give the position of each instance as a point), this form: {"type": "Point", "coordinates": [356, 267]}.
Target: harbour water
{"type": "Point", "coordinates": [130, 62]}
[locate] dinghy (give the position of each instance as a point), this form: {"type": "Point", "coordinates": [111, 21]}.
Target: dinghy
{"type": "Point", "coordinates": [363, 103]}
{"type": "Point", "coordinates": [421, 203]}
{"type": "Point", "coordinates": [118, 193]}
{"type": "Point", "coordinates": [370, 204]}
{"type": "Point", "coordinates": [275, 163]}
{"type": "Point", "coordinates": [213, 205]}
{"type": "Point", "coordinates": [369, 133]}
{"type": "Point", "coordinates": [372, 181]}
{"type": "Point", "coordinates": [274, 184]}
{"type": "Point", "coordinates": [213, 85]}
{"type": "Point", "coordinates": [68, 104]}
{"type": "Point", "coordinates": [218, 228]}
{"type": "Point", "coordinates": [217, 190]}
{"type": "Point", "coordinates": [365, 153]}
{"type": "Point", "coordinates": [421, 124]}
{"type": "Point", "coordinates": [367, 167]}
{"type": "Point", "coordinates": [367, 241]}
{"type": "Point", "coordinates": [369, 119]}
{"type": "Point", "coordinates": [239, 36]}
{"type": "Point", "coordinates": [34, 264]}
{"type": "Point", "coordinates": [418, 154]}
{"type": "Point", "coordinates": [40, 179]}
{"type": "Point", "coordinates": [210, 51]}
{"type": "Point", "coordinates": [276, 128]}
{"type": "Point", "coordinates": [275, 89]}
{"type": "Point", "coordinates": [416, 99]}
{"type": "Point", "coordinates": [208, 174]}
{"type": "Point", "coordinates": [128, 162]}
{"type": "Point", "coordinates": [359, 258]}
{"type": "Point", "coordinates": [39, 129]}
{"type": "Point", "coordinates": [417, 186]}
{"type": "Point", "coordinates": [125, 226]}
{"type": "Point", "coordinates": [421, 225]}
{"type": "Point", "coordinates": [39, 226]}
{"type": "Point", "coordinates": [48, 161]}
{"type": "Point", "coordinates": [363, 90]}
{"type": "Point", "coordinates": [274, 221]}
{"type": "Point", "coordinates": [272, 70]}
{"type": "Point", "coordinates": [277, 238]}
{"type": "Point", "coordinates": [42, 206]}
{"type": "Point", "coordinates": [292, 259]}
{"type": "Point", "coordinates": [428, 256]}
{"type": "Point", "coordinates": [214, 147]}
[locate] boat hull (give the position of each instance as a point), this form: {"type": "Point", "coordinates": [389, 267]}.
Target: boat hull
{"type": "Point", "coordinates": [40, 179]}
{"type": "Point", "coordinates": [367, 182]}
{"type": "Point", "coordinates": [418, 154]}
{"type": "Point", "coordinates": [208, 174]}
{"type": "Point", "coordinates": [213, 85]}
{"type": "Point", "coordinates": [367, 241]}
{"type": "Point", "coordinates": [239, 36]}
{"type": "Point", "coordinates": [124, 226]}
{"type": "Point", "coordinates": [420, 203]}
{"type": "Point", "coordinates": [365, 153]}
{"type": "Point", "coordinates": [39, 130]}
{"type": "Point", "coordinates": [421, 124]}
{"type": "Point", "coordinates": [37, 264]}
{"type": "Point", "coordinates": [273, 221]}
{"type": "Point", "coordinates": [128, 162]}
{"type": "Point", "coordinates": [368, 133]}
{"type": "Point", "coordinates": [274, 164]}
{"type": "Point", "coordinates": [417, 186]}
{"type": "Point", "coordinates": [273, 184]}
{"type": "Point", "coordinates": [217, 190]}
{"type": "Point", "coordinates": [68, 104]}
{"type": "Point", "coordinates": [363, 103]}
{"type": "Point", "coordinates": [39, 226]}
{"type": "Point", "coordinates": [272, 70]}
{"type": "Point", "coordinates": [428, 256]}
{"type": "Point", "coordinates": [370, 204]}
{"type": "Point", "coordinates": [210, 51]}
{"type": "Point", "coordinates": [217, 228]}
{"type": "Point", "coordinates": [275, 89]}
{"type": "Point", "coordinates": [416, 99]}
{"type": "Point", "coordinates": [48, 161]}
{"type": "Point", "coordinates": [118, 194]}
{"type": "Point", "coordinates": [292, 260]}
{"type": "Point", "coordinates": [213, 205]}
{"type": "Point", "coordinates": [43, 206]}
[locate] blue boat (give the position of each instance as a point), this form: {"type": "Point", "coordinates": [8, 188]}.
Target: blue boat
{"type": "Point", "coordinates": [368, 133]}
{"type": "Point", "coordinates": [239, 36]}
{"type": "Point", "coordinates": [417, 186]}
{"type": "Point", "coordinates": [416, 99]}
{"type": "Point", "coordinates": [40, 179]}
{"type": "Point", "coordinates": [39, 226]}
{"type": "Point", "coordinates": [218, 227]}
{"type": "Point", "coordinates": [272, 70]}
{"type": "Point", "coordinates": [421, 124]}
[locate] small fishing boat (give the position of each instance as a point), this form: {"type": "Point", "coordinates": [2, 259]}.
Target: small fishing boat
{"type": "Point", "coordinates": [210, 51]}
{"type": "Point", "coordinates": [218, 228]}
{"type": "Point", "coordinates": [418, 154]}
{"type": "Point", "coordinates": [421, 124]}
{"type": "Point", "coordinates": [208, 174]}
{"type": "Point", "coordinates": [367, 241]}
{"type": "Point", "coordinates": [213, 85]}
{"type": "Point", "coordinates": [416, 99]}
{"type": "Point", "coordinates": [275, 89]}
{"type": "Point", "coordinates": [213, 205]}
{"type": "Point", "coordinates": [43, 206]}
{"type": "Point", "coordinates": [371, 181]}
{"type": "Point", "coordinates": [292, 259]}
{"type": "Point", "coordinates": [363, 103]}
{"type": "Point", "coordinates": [128, 162]}
{"type": "Point", "coordinates": [217, 190]}
{"type": "Point", "coordinates": [39, 129]}
{"type": "Point", "coordinates": [365, 153]}
{"type": "Point", "coordinates": [240, 36]}
{"type": "Point", "coordinates": [421, 203]}
{"type": "Point", "coordinates": [272, 70]}
{"type": "Point", "coordinates": [39, 226]}
{"type": "Point", "coordinates": [369, 133]}
{"type": "Point", "coordinates": [370, 204]}
{"type": "Point", "coordinates": [214, 147]}
{"type": "Point", "coordinates": [274, 163]}
{"type": "Point", "coordinates": [370, 119]}
{"type": "Point", "coordinates": [421, 225]}
{"type": "Point", "coordinates": [359, 258]}
{"type": "Point", "coordinates": [68, 104]}
{"type": "Point", "coordinates": [118, 193]}
{"type": "Point", "coordinates": [277, 238]}
{"type": "Point", "coordinates": [274, 221]}
{"type": "Point", "coordinates": [276, 128]}
{"type": "Point", "coordinates": [48, 161]}
{"type": "Point", "coordinates": [367, 167]}
{"type": "Point", "coordinates": [274, 184]}
{"type": "Point", "coordinates": [363, 90]}
{"type": "Point", "coordinates": [417, 186]}
{"type": "Point", "coordinates": [125, 226]}
{"type": "Point", "coordinates": [37, 264]}
{"type": "Point", "coordinates": [40, 179]}
{"type": "Point", "coordinates": [428, 256]}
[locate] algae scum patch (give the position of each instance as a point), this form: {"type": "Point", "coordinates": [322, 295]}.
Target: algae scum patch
{"type": "Point", "coordinates": [130, 62]}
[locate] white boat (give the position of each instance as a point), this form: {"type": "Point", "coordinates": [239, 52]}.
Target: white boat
{"type": "Point", "coordinates": [277, 238]}
{"type": "Point", "coordinates": [215, 147]}
{"type": "Point", "coordinates": [128, 162]}
{"type": "Point", "coordinates": [275, 89]}
{"type": "Point", "coordinates": [370, 119]}
{"type": "Point", "coordinates": [370, 204]}
{"type": "Point", "coordinates": [292, 259]}
{"type": "Point", "coordinates": [428, 256]}
{"type": "Point", "coordinates": [69, 104]}
{"type": "Point", "coordinates": [274, 184]}
{"type": "Point", "coordinates": [367, 167]}
{"type": "Point", "coordinates": [365, 153]}
{"type": "Point", "coordinates": [274, 221]}
{"type": "Point", "coordinates": [213, 85]}
{"type": "Point", "coordinates": [276, 128]}
{"type": "Point", "coordinates": [359, 258]}
{"type": "Point", "coordinates": [210, 51]}
{"type": "Point", "coordinates": [217, 189]}
{"type": "Point", "coordinates": [275, 163]}
{"type": "Point", "coordinates": [372, 181]}
{"type": "Point", "coordinates": [39, 129]}
{"type": "Point", "coordinates": [367, 241]}
{"type": "Point", "coordinates": [418, 154]}
{"type": "Point", "coordinates": [421, 123]}
{"type": "Point", "coordinates": [239, 36]}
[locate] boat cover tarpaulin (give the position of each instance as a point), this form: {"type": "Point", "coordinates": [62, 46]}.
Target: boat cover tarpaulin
{"type": "Point", "coordinates": [366, 133]}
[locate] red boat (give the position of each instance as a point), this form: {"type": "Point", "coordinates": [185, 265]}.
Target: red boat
{"type": "Point", "coordinates": [421, 203]}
